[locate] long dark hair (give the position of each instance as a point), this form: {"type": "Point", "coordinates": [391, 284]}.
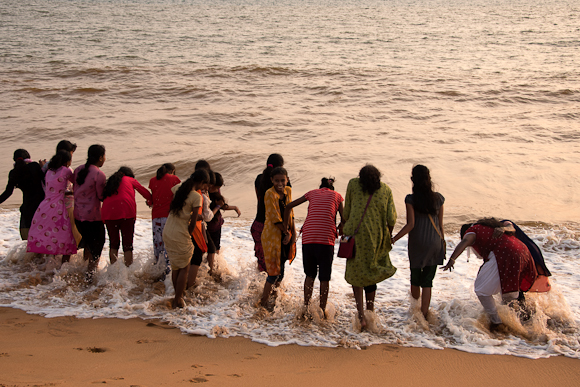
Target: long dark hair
{"type": "Point", "coordinates": [369, 179]}
{"type": "Point", "coordinates": [114, 181]}
{"type": "Point", "coordinates": [489, 222]}
{"type": "Point", "coordinates": [424, 199]}
{"type": "Point", "coordinates": [164, 170]}
{"type": "Point", "coordinates": [94, 155]}
{"type": "Point", "coordinates": [274, 160]}
{"type": "Point", "coordinates": [59, 160]}
{"type": "Point", "coordinates": [199, 176]}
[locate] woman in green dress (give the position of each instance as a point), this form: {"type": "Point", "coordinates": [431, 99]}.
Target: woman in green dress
{"type": "Point", "coordinates": [371, 263]}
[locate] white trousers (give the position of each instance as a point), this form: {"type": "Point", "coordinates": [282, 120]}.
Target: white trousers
{"type": "Point", "coordinates": [487, 284]}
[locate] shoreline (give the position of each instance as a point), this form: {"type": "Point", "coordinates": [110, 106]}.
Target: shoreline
{"type": "Point", "coordinates": [67, 351]}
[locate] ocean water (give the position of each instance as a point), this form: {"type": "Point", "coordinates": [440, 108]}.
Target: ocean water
{"type": "Point", "coordinates": [485, 93]}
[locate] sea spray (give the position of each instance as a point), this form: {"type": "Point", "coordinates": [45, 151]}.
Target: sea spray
{"type": "Point", "coordinates": [225, 304]}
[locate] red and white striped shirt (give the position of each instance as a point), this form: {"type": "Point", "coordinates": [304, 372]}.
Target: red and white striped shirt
{"type": "Point", "coordinates": [320, 224]}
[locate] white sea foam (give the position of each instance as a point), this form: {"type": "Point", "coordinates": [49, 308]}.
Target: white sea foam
{"type": "Point", "coordinates": [227, 307]}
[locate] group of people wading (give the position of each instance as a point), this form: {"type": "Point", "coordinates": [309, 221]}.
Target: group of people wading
{"type": "Point", "coordinates": [513, 263]}
{"type": "Point", "coordinates": [63, 209]}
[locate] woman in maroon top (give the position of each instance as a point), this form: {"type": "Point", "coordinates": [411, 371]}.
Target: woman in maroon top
{"type": "Point", "coordinates": [160, 186]}
{"type": "Point", "coordinates": [508, 267]}
{"type": "Point", "coordinates": [119, 211]}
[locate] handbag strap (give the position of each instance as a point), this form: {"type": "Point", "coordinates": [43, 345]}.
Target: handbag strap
{"type": "Point", "coordinates": [435, 227]}
{"type": "Point", "coordinates": [363, 215]}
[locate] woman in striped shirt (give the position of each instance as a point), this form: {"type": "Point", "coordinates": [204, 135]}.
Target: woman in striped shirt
{"type": "Point", "coordinates": [318, 236]}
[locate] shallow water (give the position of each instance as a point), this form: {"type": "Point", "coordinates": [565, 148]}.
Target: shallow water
{"type": "Point", "coordinates": [228, 307]}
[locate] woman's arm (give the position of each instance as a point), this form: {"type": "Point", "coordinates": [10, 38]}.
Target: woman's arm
{"type": "Point", "coordinates": [342, 221]}
{"type": "Point", "coordinates": [227, 207]}
{"type": "Point", "coordinates": [9, 188]}
{"type": "Point", "coordinates": [289, 208]}
{"type": "Point", "coordinates": [142, 190]}
{"type": "Point", "coordinates": [441, 222]}
{"type": "Point", "coordinates": [291, 236]}
{"type": "Point", "coordinates": [410, 222]}
{"type": "Point", "coordinates": [468, 240]}
{"type": "Point", "coordinates": [100, 182]}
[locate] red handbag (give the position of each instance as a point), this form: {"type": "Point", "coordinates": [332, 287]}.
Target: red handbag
{"type": "Point", "coordinates": [347, 248]}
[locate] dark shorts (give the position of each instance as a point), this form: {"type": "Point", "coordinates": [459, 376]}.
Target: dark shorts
{"type": "Point", "coordinates": [197, 256]}
{"type": "Point", "coordinates": [121, 227]}
{"type": "Point", "coordinates": [216, 237]}
{"type": "Point", "coordinates": [317, 259]}
{"type": "Point", "coordinates": [423, 277]}
{"type": "Point", "coordinates": [93, 234]}
{"type": "Point", "coordinates": [370, 288]}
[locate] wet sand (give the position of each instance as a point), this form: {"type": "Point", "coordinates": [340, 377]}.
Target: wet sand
{"type": "Point", "coordinates": [66, 351]}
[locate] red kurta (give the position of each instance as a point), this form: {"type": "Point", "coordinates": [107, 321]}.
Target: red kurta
{"type": "Point", "coordinates": [516, 267]}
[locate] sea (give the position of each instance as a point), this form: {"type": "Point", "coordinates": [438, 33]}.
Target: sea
{"type": "Point", "coordinates": [484, 93]}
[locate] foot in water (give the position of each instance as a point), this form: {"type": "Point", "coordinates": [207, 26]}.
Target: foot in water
{"type": "Point", "coordinates": [180, 303]}
{"type": "Point", "coordinates": [494, 328]}
{"type": "Point", "coordinates": [363, 323]}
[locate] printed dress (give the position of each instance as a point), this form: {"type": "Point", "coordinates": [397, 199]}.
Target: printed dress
{"type": "Point", "coordinates": [514, 262]}
{"type": "Point", "coordinates": [372, 263]}
{"type": "Point", "coordinates": [162, 197]}
{"type": "Point", "coordinates": [51, 231]}
{"type": "Point", "coordinates": [271, 236]}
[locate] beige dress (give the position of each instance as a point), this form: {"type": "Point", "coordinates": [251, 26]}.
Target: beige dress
{"type": "Point", "coordinates": [176, 235]}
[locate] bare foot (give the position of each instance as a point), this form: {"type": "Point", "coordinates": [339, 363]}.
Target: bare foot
{"type": "Point", "coordinates": [363, 323]}
{"type": "Point", "coordinates": [178, 303]}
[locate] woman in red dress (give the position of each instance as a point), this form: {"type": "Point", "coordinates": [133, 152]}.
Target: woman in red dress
{"type": "Point", "coordinates": [508, 267]}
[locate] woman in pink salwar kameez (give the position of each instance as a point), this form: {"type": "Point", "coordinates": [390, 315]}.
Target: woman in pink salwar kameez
{"type": "Point", "coordinates": [51, 231]}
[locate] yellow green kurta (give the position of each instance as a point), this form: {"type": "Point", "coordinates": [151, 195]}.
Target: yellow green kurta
{"type": "Point", "coordinates": [271, 235]}
{"type": "Point", "coordinates": [372, 263]}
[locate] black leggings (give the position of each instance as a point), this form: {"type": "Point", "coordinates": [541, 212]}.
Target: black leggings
{"type": "Point", "coordinates": [370, 288]}
{"type": "Point", "coordinates": [93, 234]}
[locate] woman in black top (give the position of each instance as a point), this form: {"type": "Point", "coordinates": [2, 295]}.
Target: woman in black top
{"type": "Point", "coordinates": [27, 175]}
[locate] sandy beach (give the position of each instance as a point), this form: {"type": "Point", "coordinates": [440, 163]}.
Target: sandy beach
{"type": "Point", "coordinates": [66, 351]}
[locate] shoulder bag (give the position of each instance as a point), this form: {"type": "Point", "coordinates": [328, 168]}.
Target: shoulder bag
{"type": "Point", "coordinates": [346, 248]}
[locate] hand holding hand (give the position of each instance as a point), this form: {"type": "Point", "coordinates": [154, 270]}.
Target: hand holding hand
{"type": "Point", "coordinates": [286, 239]}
